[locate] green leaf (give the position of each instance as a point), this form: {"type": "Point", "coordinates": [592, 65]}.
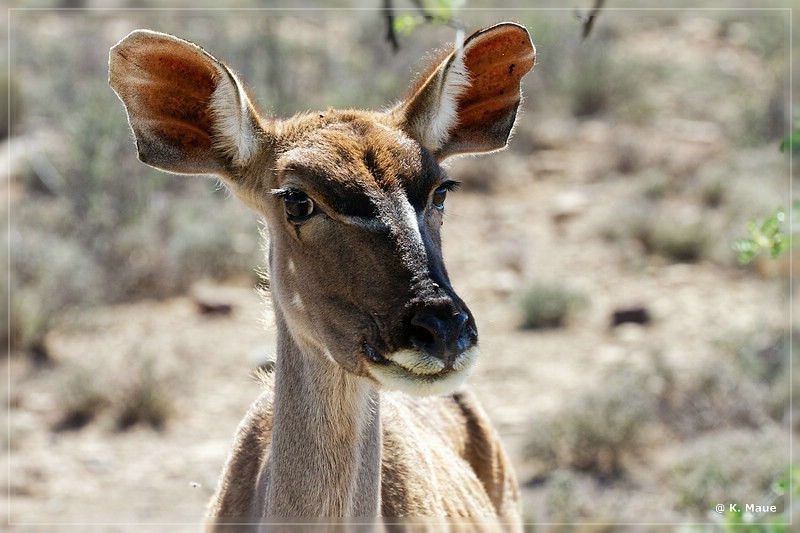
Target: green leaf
{"type": "Point", "coordinates": [791, 143]}
{"type": "Point", "coordinates": [444, 10]}
{"type": "Point", "coordinates": [768, 236]}
{"type": "Point", "coordinates": [406, 24]}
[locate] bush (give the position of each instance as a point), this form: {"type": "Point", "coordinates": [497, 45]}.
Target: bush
{"type": "Point", "coordinates": [562, 497]}
{"type": "Point", "coordinates": [679, 242]}
{"type": "Point", "coordinates": [739, 389]}
{"type": "Point", "coordinates": [145, 399]}
{"type": "Point", "coordinates": [49, 276]}
{"type": "Point", "coordinates": [139, 394]}
{"type": "Point", "coordinates": [548, 305]}
{"type": "Point", "coordinates": [596, 82]}
{"type": "Point", "coordinates": [598, 431]}
{"type": "Point", "coordinates": [82, 398]}
{"type": "Point", "coordinates": [95, 226]}
{"type": "Point", "coordinates": [727, 467]}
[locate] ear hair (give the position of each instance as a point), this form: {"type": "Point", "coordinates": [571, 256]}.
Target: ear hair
{"type": "Point", "coordinates": [433, 127]}
{"type": "Point", "coordinates": [233, 112]}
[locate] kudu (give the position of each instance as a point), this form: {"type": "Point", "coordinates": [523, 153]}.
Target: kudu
{"type": "Point", "coordinates": [353, 203]}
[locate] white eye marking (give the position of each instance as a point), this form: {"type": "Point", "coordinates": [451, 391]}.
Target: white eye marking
{"type": "Point", "coordinates": [411, 220]}
{"type": "Point", "coordinates": [397, 213]}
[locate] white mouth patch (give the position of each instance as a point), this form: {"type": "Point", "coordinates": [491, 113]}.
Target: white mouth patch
{"type": "Point", "coordinates": [419, 374]}
{"type": "Point", "coordinates": [417, 362]}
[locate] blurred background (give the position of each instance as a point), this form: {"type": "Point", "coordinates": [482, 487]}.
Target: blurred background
{"type": "Point", "coordinates": [626, 258]}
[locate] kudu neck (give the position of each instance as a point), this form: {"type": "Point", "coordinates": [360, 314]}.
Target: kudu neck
{"type": "Point", "coordinates": [326, 440]}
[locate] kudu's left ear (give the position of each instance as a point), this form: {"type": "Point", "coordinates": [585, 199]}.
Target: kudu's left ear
{"type": "Point", "coordinates": [468, 104]}
{"type": "Point", "coordinates": [187, 110]}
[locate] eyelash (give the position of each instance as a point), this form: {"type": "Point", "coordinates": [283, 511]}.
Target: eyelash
{"type": "Point", "coordinates": [440, 193]}
{"type": "Point", "coordinates": [451, 185]}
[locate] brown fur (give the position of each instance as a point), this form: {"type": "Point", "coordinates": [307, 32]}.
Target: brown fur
{"type": "Point", "coordinates": [462, 448]}
{"type": "Point", "coordinates": [362, 299]}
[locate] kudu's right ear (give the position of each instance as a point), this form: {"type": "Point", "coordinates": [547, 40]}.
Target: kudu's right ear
{"type": "Point", "coordinates": [187, 110]}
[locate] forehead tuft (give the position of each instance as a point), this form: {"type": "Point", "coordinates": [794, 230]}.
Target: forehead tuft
{"type": "Point", "coordinates": [349, 147]}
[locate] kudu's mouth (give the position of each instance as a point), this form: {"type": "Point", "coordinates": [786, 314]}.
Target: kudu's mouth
{"type": "Point", "coordinates": [419, 373]}
{"type": "Point", "coordinates": [433, 352]}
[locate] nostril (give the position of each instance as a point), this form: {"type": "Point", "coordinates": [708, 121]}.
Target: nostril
{"type": "Point", "coordinates": [422, 335]}
{"type": "Point", "coordinates": [441, 337]}
{"type": "Point", "coordinates": [425, 330]}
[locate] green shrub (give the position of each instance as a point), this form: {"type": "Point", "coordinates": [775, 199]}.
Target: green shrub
{"type": "Point", "coordinates": [717, 395]}
{"type": "Point", "coordinates": [656, 185]}
{"type": "Point", "coordinates": [713, 193]}
{"type": "Point", "coordinates": [548, 305]}
{"type": "Point", "coordinates": [656, 232]}
{"type": "Point", "coordinates": [763, 360]}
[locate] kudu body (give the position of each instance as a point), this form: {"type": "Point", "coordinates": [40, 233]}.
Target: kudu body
{"type": "Point", "coordinates": [353, 202]}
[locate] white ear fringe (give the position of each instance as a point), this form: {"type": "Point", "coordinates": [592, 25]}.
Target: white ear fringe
{"type": "Point", "coordinates": [444, 117]}
{"type": "Point", "coordinates": [230, 108]}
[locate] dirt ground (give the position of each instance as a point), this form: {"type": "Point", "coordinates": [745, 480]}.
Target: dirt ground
{"type": "Point", "coordinates": [542, 211]}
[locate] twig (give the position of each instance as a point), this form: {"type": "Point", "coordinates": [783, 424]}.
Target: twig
{"type": "Point", "coordinates": [391, 36]}
{"type": "Point", "coordinates": [588, 20]}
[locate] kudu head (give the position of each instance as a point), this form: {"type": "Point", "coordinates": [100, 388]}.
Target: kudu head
{"type": "Point", "coordinates": [353, 200]}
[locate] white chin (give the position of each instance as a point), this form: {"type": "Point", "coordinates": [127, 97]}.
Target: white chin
{"type": "Point", "coordinates": [419, 374]}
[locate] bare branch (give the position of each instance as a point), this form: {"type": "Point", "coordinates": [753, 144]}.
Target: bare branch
{"type": "Point", "coordinates": [588, 20]}
{"type": "Point", "coordinates": [391, 36]}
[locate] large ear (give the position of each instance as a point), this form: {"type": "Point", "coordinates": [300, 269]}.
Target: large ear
{"type": "Point", "coordinates": [469, 102]}
{"type": "Point", "coordinates": [187, 110]}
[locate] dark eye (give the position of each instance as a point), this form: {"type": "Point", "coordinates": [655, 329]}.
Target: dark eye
{"type": "Point", "coordinates": [298, 206]}
{"type": "Point", "coordinates": [440, 194]}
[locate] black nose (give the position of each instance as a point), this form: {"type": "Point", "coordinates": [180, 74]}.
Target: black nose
{"type": "Point", "coordinates": [444, 334]}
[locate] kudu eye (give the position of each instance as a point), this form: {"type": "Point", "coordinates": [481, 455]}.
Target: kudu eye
{"type": "Point", "coordinates": [440, 194]}
{"type": "Point", "coordinates": [298, 206]}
